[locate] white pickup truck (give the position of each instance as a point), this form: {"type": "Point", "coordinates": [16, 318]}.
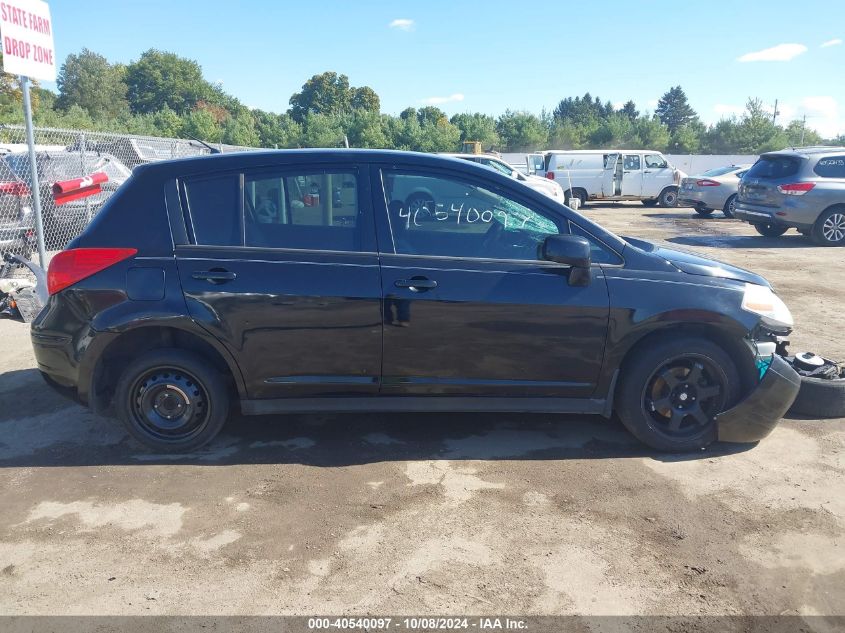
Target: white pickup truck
{"type": "Point", "coordinates": [610, 174]}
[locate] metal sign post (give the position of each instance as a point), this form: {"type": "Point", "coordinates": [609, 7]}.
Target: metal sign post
{"type": "Point", "coordinates": [29, 52]}
{"type": "Point", "coordinates": [36, 189]}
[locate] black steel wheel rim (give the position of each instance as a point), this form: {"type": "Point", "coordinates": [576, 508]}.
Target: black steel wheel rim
{"type": "Point", "coordinates": [169, 404]}
{"type": "Point", "coordinates": [683, 395]}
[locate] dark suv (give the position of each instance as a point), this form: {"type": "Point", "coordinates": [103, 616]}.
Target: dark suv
{"type": "Point", "coordinates": [800, 188]}
{"type": "Point", "coordinates": [297, 281]}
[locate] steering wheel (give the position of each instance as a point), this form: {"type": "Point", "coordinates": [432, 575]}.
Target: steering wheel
{"type": "Point", "coordinates": [491, 237]}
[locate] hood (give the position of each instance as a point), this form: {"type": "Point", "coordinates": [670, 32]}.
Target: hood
{"type": "Point", "coordinates": [698, 265]}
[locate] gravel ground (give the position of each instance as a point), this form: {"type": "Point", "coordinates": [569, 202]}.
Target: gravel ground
{"type": "Point", "coordinates": [445, 514]}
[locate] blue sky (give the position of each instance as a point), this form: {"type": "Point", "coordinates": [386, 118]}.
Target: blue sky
{"type": "Point", "coordinates": [490, 56]}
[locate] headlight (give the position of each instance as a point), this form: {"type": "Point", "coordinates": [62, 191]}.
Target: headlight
{"type": "Point", "coordinates": [761, 300]}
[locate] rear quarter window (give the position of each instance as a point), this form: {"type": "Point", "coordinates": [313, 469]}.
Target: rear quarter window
{"type": "Point", "coordinates": [774, 167]}
{"type": "Point", "coordinates": [831, 167]}
{"type": "Point", "coordinates": [214, 210]}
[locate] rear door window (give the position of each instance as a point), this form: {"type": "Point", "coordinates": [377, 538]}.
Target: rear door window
{"type": "Point", "coordinates": [831, 167]}
{"type": "Point", "coordinates": [214, 208]}
{"type": "Point", "coordinates": [774, 167]}
{"type": "Point", "coordinates": [303, 210]}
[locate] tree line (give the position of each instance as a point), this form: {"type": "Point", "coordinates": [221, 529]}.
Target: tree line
{"type": "Point", "coordinates": [163, 94]}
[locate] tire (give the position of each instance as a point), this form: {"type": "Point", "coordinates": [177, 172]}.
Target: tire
{"type": "Point", "coordinates": [820, 398]}
{"type": "Point", "coordinates": [770, 230]}
{"type": "Point", "coordinates": [182, 383]}
{"type": "Point", "coordinates": [668, 197]}
{"type": "Point", "coordinates": [706, 213]}
{"type": "Point", "coordinates": [829, 229]}
{"type": "Point", "coordinates": [649, 203]}
{"type": "Point", "coordinates": [580, 195]}
{"type": "Point", "coordinates": [730, 205]}
{"type": "Point", "coordinates": [656, 394]}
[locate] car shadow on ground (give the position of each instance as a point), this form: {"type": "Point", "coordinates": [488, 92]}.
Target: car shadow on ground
{"type": "Point", "coordinates": [685, 214]}
{"type": "Point", "coordinates": [41, 429]}
{"type": "Point", "coordinates": [743, 241]}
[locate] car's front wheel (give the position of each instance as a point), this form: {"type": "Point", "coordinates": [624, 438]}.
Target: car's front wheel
{"type": "Point", "coordinates": [670, 393]}
{"type": "Point", "coordinates": [829, 229]}
{"type": "Point", "coordinates": [668, 197]}
{"type": "Point", "coordinates": [770, 230]}
{"type": "Point", "coordinates": [172, 400]}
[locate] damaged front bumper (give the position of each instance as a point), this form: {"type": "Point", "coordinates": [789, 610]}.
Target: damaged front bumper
{"type": "Point", "coordinates": [754, 418]}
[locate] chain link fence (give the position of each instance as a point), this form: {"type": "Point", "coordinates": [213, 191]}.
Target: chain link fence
{"type": "Point", "coordinates": [63, 156]}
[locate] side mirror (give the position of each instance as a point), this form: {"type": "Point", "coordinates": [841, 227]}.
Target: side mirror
{"type": "Point", "coordinates": [573, 250]}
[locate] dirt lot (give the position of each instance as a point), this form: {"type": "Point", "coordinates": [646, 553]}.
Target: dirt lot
{"type": "Point", "coordinates": [417, 514]}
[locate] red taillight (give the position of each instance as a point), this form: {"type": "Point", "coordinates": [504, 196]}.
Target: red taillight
{"type": "Point", "coordinates": [69, 267]}
{"type": "Point", "coordinates": [796, 188]}
{"type": "Point", "coordinates": [14, 188]}
{"type": "Point", "coordinates": [707, 183]}
{"type": "Point", "coordinates": [550, 175]}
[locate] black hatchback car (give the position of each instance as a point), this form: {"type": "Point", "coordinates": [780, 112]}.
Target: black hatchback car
{"type": "Point", "coordinates": [366, 280]}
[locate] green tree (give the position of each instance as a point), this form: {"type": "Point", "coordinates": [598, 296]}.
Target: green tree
{"type": "Point", "coordinates": [276, 130]}
{"type": "Point", "coordinates": [365, 98]}
{"type": "Point", "coordinates": [366, 128]}
{"type": "Point", "coordinates": [687, 139]}
{"type": "Point", "coordinates": [321, 130]}
{"type": "Point", "coordinates": [201, 124]}
{"type": "Point", "coordinates": [674, 110]}
{"type": "Point", "coordinates": [239, 129]}
{"type": "Point", "coordinates": [651, 133]}
{"type": "Point", "coordinates": [756, 131]}
{"type": "Point", "coordinates": [327, 93]}
{"type": "Point", "coordinates": [630, 110]}
{"type": "Point", "coordinates": [91, 82]}
{"type": "Point", "coordinates": [477, 127]}
{"type": "Point", "coordinates": [798, 134]}
{"type": "Point", "coordinates": [160, 79]}
{"type": "Point", "coordinates": [521, 131]}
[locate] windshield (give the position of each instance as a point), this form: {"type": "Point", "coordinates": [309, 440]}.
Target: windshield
{"type": "Point", "coordinates": [774, 167]}
{"type": "Point", "coordinates": [720, 171]}
{"type": "Point", "coordinates": [498, 165]}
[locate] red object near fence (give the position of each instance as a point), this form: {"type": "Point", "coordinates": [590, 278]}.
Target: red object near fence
{"type": "Point", "coordinates": [67, 190]}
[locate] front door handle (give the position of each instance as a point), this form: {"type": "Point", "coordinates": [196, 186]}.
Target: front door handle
{"type": "Point", "coordinates": [416, 284]}
{"type": "Point", "coordinates": [215, 275]}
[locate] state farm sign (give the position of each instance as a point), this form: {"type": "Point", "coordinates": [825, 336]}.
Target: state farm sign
{"type": "Point", "coordinates": [27, 33]}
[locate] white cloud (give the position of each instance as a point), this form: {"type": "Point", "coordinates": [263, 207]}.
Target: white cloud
{"type": "Point", "coordinates": [834, 42]}
{"type": "Point", "coordinates": [779, 53]}
{"type": "Point", "coordinates": [441, 100]}
{"type": "Point", "coordinates": [403, 24]}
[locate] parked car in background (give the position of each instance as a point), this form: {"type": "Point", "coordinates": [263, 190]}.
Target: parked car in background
{"type": "Point", "coordinates": [64, 222]}
{"type": "Point", "coordinates": [802, 188]}
{"type": "Point", "coordinates": [610, 175]}
{"type": "Point", "coordinates": [543, 185]}
{"type": "Point", "coordinates": [17, 234]}
{"type": "Point", "coordinates": [713, 190]}
{"type": "Point", "coordinates": [245, 278]}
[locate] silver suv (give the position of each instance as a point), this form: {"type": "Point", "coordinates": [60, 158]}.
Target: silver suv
{"type": "Point", "coordinates": [800, 188]}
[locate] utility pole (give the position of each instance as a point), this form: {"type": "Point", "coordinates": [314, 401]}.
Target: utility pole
{"type": "Point", "coordinates": [803, 127]}
{"type": "Point", "coordinates": [775, 113]}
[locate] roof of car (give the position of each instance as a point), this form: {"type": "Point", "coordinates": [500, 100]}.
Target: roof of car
{"type": "Point", "coordinates": [597, 151]}
{"type": "Point", "coordinates": [233, 160]}
{"type": "Point", "coordinates": [814, 149]}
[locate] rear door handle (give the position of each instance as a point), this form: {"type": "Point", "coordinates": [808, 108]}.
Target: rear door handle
{"type": "Point", "coordinates": [416, 284]}
{"type": "Point", "coordinates": [215, 275]}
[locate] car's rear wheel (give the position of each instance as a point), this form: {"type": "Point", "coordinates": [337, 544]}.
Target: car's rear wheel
{"type": "Point", "coordinates": [730, 206]}
{"type": "Point", "coordinates": [668, 197]}
{"type": "Point", "coordinates": [704, 212]}
{"type": "Point", "coordinates": [649, 203]}
{"type": "Point", "coordinates": [829, 229]}
{"type": "Point", "coordinates": [670, 393]}
{"type": "Point", "coordinates": [770, 230]}
{"type": "Point", "coordinates": [172, 400]}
